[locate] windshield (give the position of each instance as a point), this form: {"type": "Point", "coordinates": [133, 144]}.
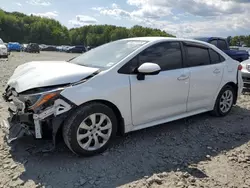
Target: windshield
{"type": "Point", "coordinates": [108, 54]}
{"type": "Point", "coordinates": [1, 41]}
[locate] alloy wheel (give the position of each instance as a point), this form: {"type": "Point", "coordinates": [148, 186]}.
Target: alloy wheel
{"type": "Point", "coordinates": [226, 101]}
{"type": "Point", "coordinates": [94, 131]}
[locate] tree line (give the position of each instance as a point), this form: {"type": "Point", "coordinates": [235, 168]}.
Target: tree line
{"type": "Point", "coordinates": [18, 27]}
{"type": "Point", "coordinates": [240, 40]}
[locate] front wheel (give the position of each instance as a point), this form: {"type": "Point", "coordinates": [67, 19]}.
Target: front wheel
{"type": "Point", "coordinates": [88, 131]}
{"type": "Point", "coordinates": [224, 101]}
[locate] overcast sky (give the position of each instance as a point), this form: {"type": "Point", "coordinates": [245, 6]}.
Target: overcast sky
{"type": "Point", "coordinates": [183, 18]}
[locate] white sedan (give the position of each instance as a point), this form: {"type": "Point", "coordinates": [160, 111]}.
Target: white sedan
{"type": "Point", "coordinates": [122, 86]}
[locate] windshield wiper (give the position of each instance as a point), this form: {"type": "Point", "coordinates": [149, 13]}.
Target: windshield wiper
{"type": "Point", "coordinates": [71, 59]}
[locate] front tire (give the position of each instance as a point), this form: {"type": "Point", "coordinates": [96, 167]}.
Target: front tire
{"type": "Point", "coordinates": [224, 101]}
{"type": "Point", "coordinates": [89, 129]}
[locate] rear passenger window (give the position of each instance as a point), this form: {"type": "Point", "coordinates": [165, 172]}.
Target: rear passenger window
{"type": "Point", "coordinates": [215, 57]}
{"type": "Point", "coordinates": [197, 56]}
{"type": "Point", "coordinates": [167, 55]}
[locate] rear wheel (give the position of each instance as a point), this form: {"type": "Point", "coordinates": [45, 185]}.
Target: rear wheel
{"type": "Point", "coordinates": [88, 131]}
{"type": "Point", "coordinates": [224, 101]}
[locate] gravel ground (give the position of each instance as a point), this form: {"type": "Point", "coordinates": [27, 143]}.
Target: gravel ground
{"type": "Point", "coordinates": [200, 151]}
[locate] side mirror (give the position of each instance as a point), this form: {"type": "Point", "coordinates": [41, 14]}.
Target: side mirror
{"type": "Point", "coordinates": [147, 69]}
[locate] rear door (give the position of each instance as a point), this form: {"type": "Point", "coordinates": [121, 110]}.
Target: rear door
{"type": "Point", "coordinates": [206, 71]}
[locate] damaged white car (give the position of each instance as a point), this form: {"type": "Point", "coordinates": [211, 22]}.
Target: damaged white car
{"type": "Point", "coordinates": [119, 87]}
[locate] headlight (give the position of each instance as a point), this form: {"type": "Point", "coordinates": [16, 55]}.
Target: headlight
{"type": "Point", "coordinates": [248, 67]}
{"type": "Point", "coordinates": [36, 100]}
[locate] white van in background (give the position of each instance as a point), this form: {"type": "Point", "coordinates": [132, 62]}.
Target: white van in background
{"type": "Point", "coordinates": [3, 50]}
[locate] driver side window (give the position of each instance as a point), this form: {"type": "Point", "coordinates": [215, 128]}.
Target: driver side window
{"type": "Point", "coordinates": [167, 55]}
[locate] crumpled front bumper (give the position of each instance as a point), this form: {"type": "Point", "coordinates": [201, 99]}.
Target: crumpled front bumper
{"type": "Point", "coordinates": [14, 128]}
{"type": "Point", "coordinates": [21, 123]}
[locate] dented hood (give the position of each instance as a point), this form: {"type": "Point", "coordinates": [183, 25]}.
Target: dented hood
{"type": "Point", "coordinates": [47, 73]}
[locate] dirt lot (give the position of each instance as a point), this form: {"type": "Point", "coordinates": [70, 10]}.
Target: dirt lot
{"type": "Point", "coordinates": [200, 151]}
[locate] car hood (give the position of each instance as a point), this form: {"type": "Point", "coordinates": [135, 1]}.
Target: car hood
{"type": "Point", "coordinates": [47, 73]}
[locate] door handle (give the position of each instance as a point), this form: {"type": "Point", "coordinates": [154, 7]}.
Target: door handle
{"type": "Point", "coordinates": [216, 71]}
{"type": "Point", "coordinates": [183, 77]}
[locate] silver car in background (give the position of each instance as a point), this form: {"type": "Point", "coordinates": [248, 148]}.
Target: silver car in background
{"type": "Point", "coordinates": [3, 50]}
{"type": "Point", "coordinates": [246, 73]}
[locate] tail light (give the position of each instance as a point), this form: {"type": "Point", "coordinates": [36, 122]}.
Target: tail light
{"type": "Point", "coordinates": [239, 67]}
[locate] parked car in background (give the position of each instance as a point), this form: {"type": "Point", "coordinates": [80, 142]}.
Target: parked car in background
{"type": "Point", "coordinates": [65, 48]}
{"type": "Point", "coordinates": [59, 48]}
{"type": "Point", "coordinates": [49, 48]}
{"type": "Point", "coordinates": [14, 46]}
{"type": "Point", "coordinates": [222, 44]}
{"type": "Point", "coordinates": [3, 50]}
{"type": "Point", "coordinates": [23, 47]}
{"type": "Point", "coordinates": [246, 73]}
{"type": "Point", "coordinates": [33, 48]}
{"type": "Point", "coordinates": [76, 49]}
{"type": "Point", "coordinates": [119, 87]}
{"type": "Point", "coordinates": [41, 46]}
{"type": "Point", "coordinates": [240, 48]}
{"type": "Point", "coordinates": [89, 48]}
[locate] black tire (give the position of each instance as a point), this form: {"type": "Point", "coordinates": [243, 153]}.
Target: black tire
{"type": "Point", "coordinates": [72, 123]}
{"type": "Point", "coordinates": [217, 110]}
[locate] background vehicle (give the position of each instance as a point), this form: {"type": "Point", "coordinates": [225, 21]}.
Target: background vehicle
{"type": "Point", "coordinates": [76, 49]}
{"type": "Point", "coordinates": [3, 50]}
{"type": "Point", "coordinates": [33, 48]}
{"type": "Point", "coordinates": [23, 47]}
{"type": "Point", "coordinates": [221, 43]}
{"type": "Point", "coordinates": [14, 46]}
{"type": "Point", "coordinates": [246, 73]}
{"type": "Point", "coordinates": [65, 48]}
{"type": "Point", "coordinates": [49, 48]}
{"type": "Point", "coordinates": [123, 86]}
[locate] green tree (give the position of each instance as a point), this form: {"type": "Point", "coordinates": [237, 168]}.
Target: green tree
{"type": "Point", "coordinates": [18, 27]}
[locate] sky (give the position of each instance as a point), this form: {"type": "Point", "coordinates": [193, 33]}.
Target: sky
{"type": "Point", "coordinates": [182, 18]}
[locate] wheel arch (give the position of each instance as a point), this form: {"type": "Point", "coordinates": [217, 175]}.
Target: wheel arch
{"type": "Point", "coordinates": [120, 127]}
{"type": "Point", "coordinates": [235, 87]}
{"type": "Point", "coordinates": [121, 124]}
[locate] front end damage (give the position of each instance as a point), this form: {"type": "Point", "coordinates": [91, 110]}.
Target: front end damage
{"type": "Point", "coordinates": [37, 113]}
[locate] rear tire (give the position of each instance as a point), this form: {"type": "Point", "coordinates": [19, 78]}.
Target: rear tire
{"type": "Point", "coordinates": [89, 129]}
{"type": "Point", "coordinates": [224, 101]}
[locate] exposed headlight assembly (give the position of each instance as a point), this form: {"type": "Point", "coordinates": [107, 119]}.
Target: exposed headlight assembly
{"type": "Point", "coordinates": [37, 100]}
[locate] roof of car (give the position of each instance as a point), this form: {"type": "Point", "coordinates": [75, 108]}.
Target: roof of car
{"type": "Point", "coordinates": [208, 38]}
{"type": "Point", "coordinates": [158, 39]}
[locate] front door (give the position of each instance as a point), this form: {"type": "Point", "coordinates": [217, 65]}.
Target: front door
{"type": "Point", "coordinates": [163, 95]}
